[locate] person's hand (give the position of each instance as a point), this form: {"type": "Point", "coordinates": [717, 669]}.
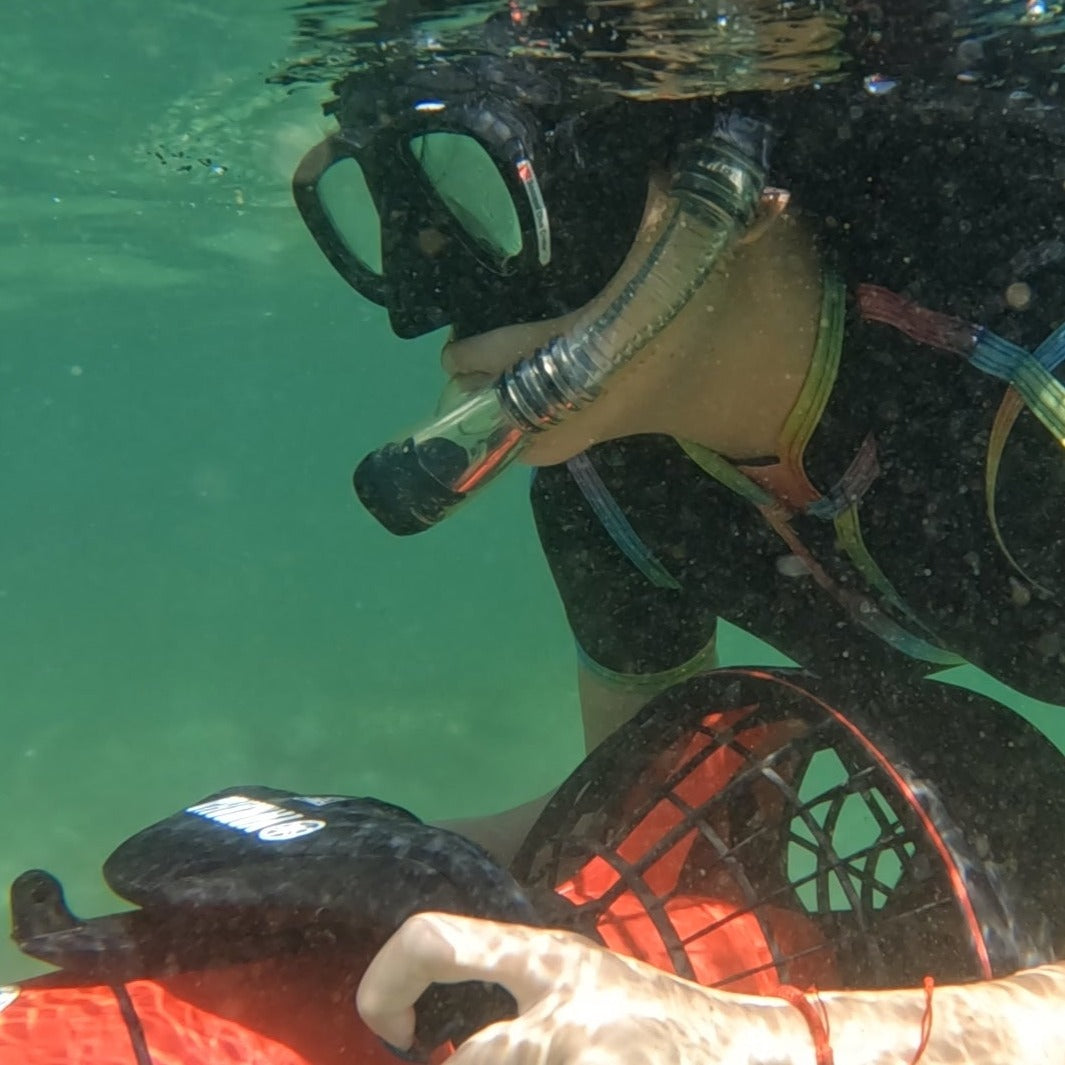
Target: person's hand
{"type": "Point", "coordinates": [578, 1003]}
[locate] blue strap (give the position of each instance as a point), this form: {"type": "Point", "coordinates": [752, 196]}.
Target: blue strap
{"type": "Point", "coordinates": [617, 526]}
{"type": "Point", "coordinates": [997, 356]}
{"type": "Point", "coordinates": [1031, 375]}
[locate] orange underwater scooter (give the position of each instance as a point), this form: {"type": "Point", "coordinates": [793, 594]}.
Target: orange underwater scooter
{"type": "Point", "coordinates": [739, 832]}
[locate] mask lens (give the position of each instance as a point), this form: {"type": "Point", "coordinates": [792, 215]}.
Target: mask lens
{"type": "Point", "coordinates": [466, 179]}
{"type": "Point", "coordinates": [346, 200]}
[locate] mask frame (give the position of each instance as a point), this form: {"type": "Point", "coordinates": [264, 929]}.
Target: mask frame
{"type": "Point", "coordinates": [554, 156]}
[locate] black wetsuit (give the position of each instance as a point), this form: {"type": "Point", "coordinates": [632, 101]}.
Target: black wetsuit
{"type": "Point", "coordinates": [924, 522]}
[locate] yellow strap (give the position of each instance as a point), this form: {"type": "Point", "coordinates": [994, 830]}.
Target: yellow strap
{"type": "Point", "coordinates": [702, 661]}
{"type": "Point", "coordinates": [849, 531]}
{"type": "Point", "coordinates": [785, 481]}
{"type": "Point", "coordinates": [1009, 409]}
{"type": "Point", "coordinates": [861, 608]}
{"type": "Point", "coordinates": [725, 473]}
{"type": "Point", "coordinates": [804, 417]}
{"type": "Point", "coordinates": [1043, 394]}
{"type": "Point", "coordinates": [1032, 385]}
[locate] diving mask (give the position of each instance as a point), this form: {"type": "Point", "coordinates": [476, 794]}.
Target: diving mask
{"type": "Point", "coordinates": [475, 193]}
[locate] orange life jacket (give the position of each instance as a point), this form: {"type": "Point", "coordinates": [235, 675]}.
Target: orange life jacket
{"type": "Point", "coordinates": [295, 1011]}
{"type": "Point", "coordinates": [87, 1026]}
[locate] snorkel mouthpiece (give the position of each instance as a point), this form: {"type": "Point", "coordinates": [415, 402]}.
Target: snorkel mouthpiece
{"type": "Point", "coordinates": [413, 483]}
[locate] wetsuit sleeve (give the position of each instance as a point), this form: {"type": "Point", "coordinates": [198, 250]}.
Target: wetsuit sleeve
{"type": "Point", "coordinates": [634, 620]}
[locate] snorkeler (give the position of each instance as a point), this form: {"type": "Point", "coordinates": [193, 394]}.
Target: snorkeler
{"type": "Point", "coordinates": [838, 424]}
{"type": "Point", "coordinates": [791, 441]}
{"type": "Point", "coordinates": [740, 834]}
{"type": "Point", "coordinates": [816, 422]}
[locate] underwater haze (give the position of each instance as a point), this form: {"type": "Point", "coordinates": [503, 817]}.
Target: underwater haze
{"type": "Point", "coordinates": [190, 596]}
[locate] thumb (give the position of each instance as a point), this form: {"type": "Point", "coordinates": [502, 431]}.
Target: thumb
{"type": "Point", "coordinates": [444, 948]}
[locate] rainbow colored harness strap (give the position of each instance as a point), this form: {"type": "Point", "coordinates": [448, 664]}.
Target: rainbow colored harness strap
{"type": "Point", "coordinates": [1029, 375]}
{"type": "Point", "coordinates": [782, 490]}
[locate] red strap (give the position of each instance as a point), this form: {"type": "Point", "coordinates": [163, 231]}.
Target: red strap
{"type": "Point", "coordinates": [937, 330]}
{"type": "Point", "coordinates": [926, 1020]}
{"type": "Point", "coordinates": [815, 1019]}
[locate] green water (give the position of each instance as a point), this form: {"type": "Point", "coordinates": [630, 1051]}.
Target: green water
{"type": "Point", "coordinates": [190, 597]}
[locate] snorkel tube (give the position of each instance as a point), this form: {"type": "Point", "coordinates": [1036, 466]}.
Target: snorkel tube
{"type": "Point", "coordinates": [411, 484]}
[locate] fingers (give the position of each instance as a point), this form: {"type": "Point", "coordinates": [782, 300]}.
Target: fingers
{"type": "Point", "coordinates": [439, 948]}
{"type": "Point", "coordinates": [578, 1003]}
{"type": "Point", "coordinates": [493, 1045]}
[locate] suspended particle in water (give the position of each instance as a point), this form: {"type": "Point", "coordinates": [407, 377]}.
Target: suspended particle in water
{"type": "Point", "coordinates": [1020, 594]}
{"type": "Point", "coordinates": [1018, 296]}
{"type": "Point", "coordinates": [792, 566]}
{"type": "Point", "coordinates": [879, 84]}
{"type": "Point", "coordinates": [1049, 645]}
{"type": "Point", "coordinates": [969, 53]}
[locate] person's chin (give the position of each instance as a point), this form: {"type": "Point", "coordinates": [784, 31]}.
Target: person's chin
{"type": "Point", "coordinates": [471, 382]}
{"type": "Point", "coordinates": [489, 354]}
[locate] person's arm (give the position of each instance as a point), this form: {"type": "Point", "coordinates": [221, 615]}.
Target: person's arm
{"type": "Point", "coordinates": [580, 1004]}
{"type": "Point", "coordinates": [500, 834]}
{"type": "Point", "coordinates": [604, 708]}
{"type": "Point", "coordinates": [1020, 1018]}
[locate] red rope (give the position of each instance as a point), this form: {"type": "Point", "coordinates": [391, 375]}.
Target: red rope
{"type": "Point", "coordinates": [926, 1020]}
{"type": "Point", "coordinates": [816, 1021]}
